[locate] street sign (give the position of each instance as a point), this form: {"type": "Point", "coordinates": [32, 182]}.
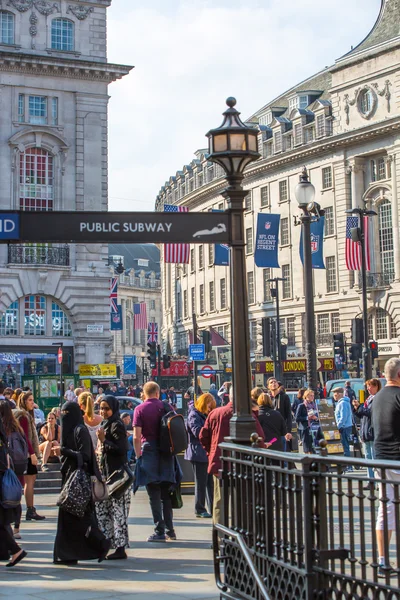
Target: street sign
{"type": "Point", "coordinates": [118, 227]}
{"type": "Point", "coordinates": [207, 371]}
{"type": "Point", "coordinates": [130, 365]}
{"type": "Point", "coordinates": [60, 355]}
{"type": "Point", "coordinates": [94, 328]}
{"type": "Point", "coordinates": [197, 352]}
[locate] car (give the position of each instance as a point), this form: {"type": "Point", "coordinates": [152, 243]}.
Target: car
{"type": "Point", "coordinates": [357, 384]}
{"type": "Point", "coordinates": [127, 404]}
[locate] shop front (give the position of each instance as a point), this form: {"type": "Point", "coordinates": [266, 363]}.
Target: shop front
{"type": "Point", "coordinates": [293, 371]}
{"type": "Point", "coordinates": [24, 361]}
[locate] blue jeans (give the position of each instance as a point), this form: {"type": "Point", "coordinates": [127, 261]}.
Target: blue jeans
{"type": "Point", "coordinates": [345, 435]}
{"type": "Point", "coordinates": [369, 453]}
{"type": "Point", "coordinates": [131, 451]}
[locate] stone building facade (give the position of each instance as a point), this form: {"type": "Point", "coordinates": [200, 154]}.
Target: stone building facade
{"type": "Point", "coordinates": [54, 79]}
{"type": "Point", "coordinates": [344, 125]}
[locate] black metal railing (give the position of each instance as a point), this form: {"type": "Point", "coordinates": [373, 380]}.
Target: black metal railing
{"type": "Point", "coordinates": [25, 254]}
{"type": "Point", "coordinates": [377, 280]}
{"type": "Point", "coordinates": [308, 525]}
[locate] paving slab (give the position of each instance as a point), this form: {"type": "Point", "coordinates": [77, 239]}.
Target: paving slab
{"type": "Point", "coordinates": [181, 570]}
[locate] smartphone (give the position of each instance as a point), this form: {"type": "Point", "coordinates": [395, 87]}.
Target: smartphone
{"type": "Point", "coordinates": [272, 441]}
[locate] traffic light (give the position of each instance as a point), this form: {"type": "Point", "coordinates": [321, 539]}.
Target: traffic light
{"type": "Point", "coordinates": [355, 352]}
{"type": "Point", "coordinates": [357, 331]}
{"type": "Point", "coordinates": [205, 337]}
{"type": "Point", "coordinates": [338, 346]}
{"type": "Point", "coordinates": [266, 336]}
{"type": "Point", "coordinates": [373, 346]}
{"type": "Point", "coordinates": [166, 361]}
{"type": "Point", "coordinates": [152, 354]}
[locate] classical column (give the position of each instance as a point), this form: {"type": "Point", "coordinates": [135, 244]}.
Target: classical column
{"type": "Point", "coordinates": [356, 167]}
{"type": "Point", "coordinates": [391, 160]}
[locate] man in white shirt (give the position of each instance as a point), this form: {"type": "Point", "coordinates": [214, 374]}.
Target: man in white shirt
{"type": "Point", "coordinates": [69, 395]}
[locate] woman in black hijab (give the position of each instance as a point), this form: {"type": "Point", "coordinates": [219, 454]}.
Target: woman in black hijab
{"type": "Point", "coordinates": [8, 546]}
{"type": "Point", "coordinates": [113, 514]}
{"type": "Point", "coordinates": [77, 538]}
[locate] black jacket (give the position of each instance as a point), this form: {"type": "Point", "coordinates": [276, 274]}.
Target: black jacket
{"type": "Point", "coordinates": [282, 404]}
{"type": "Point", "coordinates": [364, 413]}
{"type": "Point", "coordinates": [115, 448]}
{"type": "Point", "coordinates": [79, 454]}
{"type": "Point", "coordinates": [273, 425]}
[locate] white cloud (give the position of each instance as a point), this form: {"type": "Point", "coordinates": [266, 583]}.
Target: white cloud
{"type": "Point", "coordinates": [189, 55]}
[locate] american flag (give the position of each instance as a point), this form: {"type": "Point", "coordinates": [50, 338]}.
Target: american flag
{"type": "Point", "coordinates": [140, 316]}
{"type": "Point", "coordinates": [176, 253]}
{"type": "Point", "coordinates": [114, 294]}
{"type": "Point", "coordinates": [353, 249]}
{"type": "Point", "coordinates": [152, 333]}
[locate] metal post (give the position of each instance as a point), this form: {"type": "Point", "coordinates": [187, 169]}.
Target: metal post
{"type": "Point", "coordinates": [159, 365]}
{"type": "Point", "coordinates": [311, 347]}
{"type": "Point", "coordinates": [194, 321]}
{"type": "Point", "coordinates": [366, 353]}
{"type": "Point", "coordinates": [278, 368]}
{"type": "Point", "coordinates": [61, 380]}
{"type": "Point", "coordinates": [242, 422]}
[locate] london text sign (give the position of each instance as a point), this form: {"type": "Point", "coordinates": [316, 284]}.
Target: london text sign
{"type": "Point", "coordinates": [121, 227]}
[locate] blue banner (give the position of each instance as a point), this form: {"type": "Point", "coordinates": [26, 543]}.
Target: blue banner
{"type": "Point", "coordinates": [317, 244]}
{"type": "Point", "coordinates": [116, 319]}
{"type": "Point", "coordinates": [9, 226]}
{"type": "Point", "coordinates": [130, 365]}
{"type": "Point", "coordinates": [266, 253]}
{"type": "Point", "coordinates": [221, 251]}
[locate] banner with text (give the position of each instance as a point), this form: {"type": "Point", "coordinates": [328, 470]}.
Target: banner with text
{"type": "Point", "coordinates": [221, 251]}
{"type": "Point", "coordinates": [116, 319]}
{"type": "Point", "coordinates": [266, 253]}
{"type": "Point", "coordinates": [317, 244]}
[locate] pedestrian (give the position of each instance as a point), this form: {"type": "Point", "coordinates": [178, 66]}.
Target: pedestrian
{"type": "Point", "coordinates": [8, 393]}
{"type": "Point", "coordinates": [254, 395]}
{"type": "Point", "coordinates": [69, 395]}
{"type": "Point", "coordinates": [51, 435]}
{"type": "Point", "coordinates": [113, 513]}
{"type": "Point", "coordinates": [215, 430]}
{"type": "Point", "coordinates": [172, 397]}
{"type": "Point", "coordinates": [204, 486]}
{"type": "Point", "coordinates": [91, 420]}
{"type": "Point", "coordinates": [223, 393]}
{"type": "Point", "coordinates": [363, 411]}
{"type": "Point", "coordinates": [77, 538]}
{"type": "Point", "coordinates": [304, 420]}
{"type": "Point", "coordinates": [25, 417]}
{"type": "Point", "coordinates": [15, 396]}
{"type": "Point", "coordinates": [8, 545]}
{"type": "Point", "coordinates": [38, 415]}
{"type": "Point", "coordinates": [214, 393]}
{"type": "Point", "coordinates": [137, 391]}
{"type": "Point", "coordinates": [271, 421]}
{"type": "Point", "coordinates": [164, 395]}
{"type": "Point", "coordinates": [386, 426]}
{"type": "Point", "coordinates": [158, 470]}
{"type": "Point", "coordinates": [57, 413]}
{"type": "Point", "coordinates": [127, 421]}
{"type": "Point", "coordinates": [348, 391]}
{"type": "Point", "coordinates": [299, 400]}
{"type": "Point", "coordinates": [344, 420]}
{"type": "Point", "coordinates": [320, 391]}
{"type": "Point", "coordinates": [281, 402]}
{"type": "Point", "coordinates": [77, 392]}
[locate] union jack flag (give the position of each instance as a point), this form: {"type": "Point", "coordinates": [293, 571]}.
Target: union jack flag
{"type": "Point", "coordinates": [152, 333]}
{"type": "Point", "coordinates": [114, 294]}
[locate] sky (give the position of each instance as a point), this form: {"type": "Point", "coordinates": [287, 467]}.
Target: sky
{"type": "Point", "coordinates": [189, 56]}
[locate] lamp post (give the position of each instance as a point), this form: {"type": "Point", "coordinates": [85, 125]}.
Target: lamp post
{"type": "Point", "coordinates": [305, 193]}
{"type": "Point", "coordinates": [233, 146]}
{"type": "Point", "coordinates": [358, 235]}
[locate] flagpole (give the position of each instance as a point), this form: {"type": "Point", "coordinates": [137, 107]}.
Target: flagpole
{"type": "Point", "coordinates": [367, 353]}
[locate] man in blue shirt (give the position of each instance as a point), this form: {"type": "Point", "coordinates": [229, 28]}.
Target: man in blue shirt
{"type": "Point", "coordinates": [344, 418]}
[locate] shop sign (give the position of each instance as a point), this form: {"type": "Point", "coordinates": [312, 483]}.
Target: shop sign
{"type": "Point", "coordinates": [97, 370]}
{"type": "Point", "coordinates": [264, 366]}
{"type": "Point", "coordinates": [325, 364]}
{"type": "Point", "coordinates": [94, 328]}
{"type": "Point", "coordinates": [389, 350]}
{"type": "Point", "coordinates": [294, 366]}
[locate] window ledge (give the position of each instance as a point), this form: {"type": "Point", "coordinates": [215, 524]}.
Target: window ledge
{"type": "Point", "coordinates": [69, 52]}
{"type": "Point", "coordinates": [332, 293]}
{"type": "Point", "coordinates": [328, 189]}
{"type": "Point", "coordinates": [282, 246]}
{"type": "Point", "coordinates": [8, 46]}
{"type": "Point", "coordinates": [27, 124]}
{"type": "Point", "coordinates": [287, 299]}
{"type": "Point", "coordinates": [330, 236]}
{"type": "Point", "coordinates": [283, 201]}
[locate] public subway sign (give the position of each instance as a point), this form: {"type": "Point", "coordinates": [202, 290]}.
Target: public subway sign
{"type": "Point", "coordinates": [121, 227]}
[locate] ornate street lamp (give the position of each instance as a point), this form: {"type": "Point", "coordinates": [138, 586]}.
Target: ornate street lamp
{"type": "Point", "coordinates": [234, 146]}
{"type": "Point", "coordinates": [305, 193]}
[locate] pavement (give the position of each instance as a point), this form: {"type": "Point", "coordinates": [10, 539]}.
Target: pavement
{"type": "Point", "coordinates": [180, 570]}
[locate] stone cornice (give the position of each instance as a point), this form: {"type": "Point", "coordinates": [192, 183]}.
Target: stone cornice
{"type": "Point", "coordinates": [73, 68]}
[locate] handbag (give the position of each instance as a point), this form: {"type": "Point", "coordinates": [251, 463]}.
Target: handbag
{"type": "Point", "coordinates": [11, 490]}
{"type": "Point", "coordinates": [76, 493]}
{"type": "Point", "coordinates": [119, 481]}
{"type": "Point", "coordinates": [99, 489]}
{"type": "Point", "coordinates": [176, 497]}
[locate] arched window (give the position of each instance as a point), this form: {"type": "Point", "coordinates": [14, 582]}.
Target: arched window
{"type": "Point", "coordinates": [9, 320]}
{"type": "Point", "coordinates": [381, 324]}
{"type": "Point", "coordinates": [386, 240]}
{"type": "Point", "coordinates": [36, 190]}
{"type": "Point", "coordinates": [62, 34]}
{"type": "Point", "coordinates": [6, 27]}
{"type": "Point", "coordinates": [60, 324]}
{"type": "Point", "coordinates": [34, 315]}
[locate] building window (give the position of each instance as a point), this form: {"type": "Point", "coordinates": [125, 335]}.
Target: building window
{"type": "Point", "coordinates": [201, 257]}
{"type": "Point", "coordinates": [210, 174]}
{"type": "Point", "coordinates": [185, 304]}
{"type": "Point", "coordinates": [223, 293]}
{"type": "Point", "coordinates": [62, 35]}
{"type": "Point", "coordinates": [323, 323]}
{"type": "Point", "coordinates": [287, 283]}
{"type": "Point", "coordinates": [199, 179]}
{"type": "Point", "coordinates": [9, 321]}
{"type": "Point", "coordinates": [212, 296]}
{"type": "Point", "coordinates": [283, 191]}
{"type": "Point", "coordinates": [192, 261]}
{"type": "Point", "coordinates": [221, 206]}
{"type": "Point", "coordinates": [308, 135]}
{"type": "Point", "coordinates": [38, 110]}
{"type": "Point", "coordinates": [381, 324]}
{"type": "Point", "coordinates": [278, 141]}
{"type": "Point", "coordinates": [285, 231]}
{"type": "Point", "coordinates": [193, 301]}
{"type": "Point", "coordinates": [6, 27]}
{"type": "Point", "coordinates": [381, 169]}
{"type": "Point", "coordinates": [329, 227]}
{"type": "Point", "coordinates": [21, 108]}
{"type": "Point", "coordinates": [248, 202]}
{"type": "Point", "coordinates": [210, 255]}
{"type": "Point", "coordinates": [365, 101]}
{"type": "Point", "coordinates": [288, 142]}
{"type": "Point", "coordinates": [250, 287]}
{"type": "Point", "coordinates": [152, 305]}
{"type": "Point", "coordinates": [298, 134]}
{"type": "Point", "coordinates": [326, 178]}
{"type": "Point", "coordinates": [178, 299]}
{"type": "Point", "coordinates": [386, 239]}
{"type": "Point", "coordinates": [36, 180]}
{"type": "Point", "coordinates": [54, 111]}
{"type": "Point", "coordinates": [184, 269]}
{"type": "Point", "coordinates": [335, 322]}
{"type": "Point", "coordinates": [249, 240]}
{"type": "Point", "coordinates": [267, 275]}
{"type": "Point", "coordinates": [331, 281]}
{"type": "Point", "coordinates": [320, 126]}
{"type": "Point", "coordinates": [291, 331]}
{"type": "Point", "coordinates": [61, 326]}
{"type": "Point", "coordinates": [264, 196]}
{"type": "Point", "coordinates": [393, 328]}
{"type": "Point", "coordinates": [202, 307]}
{"type": "Point", "coordinates": [34, 315]}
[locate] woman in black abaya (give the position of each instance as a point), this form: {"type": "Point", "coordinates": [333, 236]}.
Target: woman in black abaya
{"type": "Point", "coordinates": [77, 538]}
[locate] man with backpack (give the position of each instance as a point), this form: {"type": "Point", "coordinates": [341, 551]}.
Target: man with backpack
{"type": "Point", "coordinates": [155, 468]}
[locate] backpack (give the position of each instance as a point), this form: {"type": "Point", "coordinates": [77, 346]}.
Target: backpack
{"type": "Point", "coordinates": [173, 433]}
{"type": "Point", "coordinates": [18, 449]}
